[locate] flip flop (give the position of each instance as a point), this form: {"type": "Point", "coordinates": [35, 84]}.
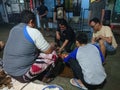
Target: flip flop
{"type": "Point", "coordinates": [74, 82]}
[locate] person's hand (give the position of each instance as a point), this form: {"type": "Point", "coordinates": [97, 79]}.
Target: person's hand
{"type": "Point", "coordinates": [100, 36]}
{"type": "Point", "coordinates": [60, 50]}
{"type": "Point", "coordinates": [63, 55]}
{"type": "Point", "coordinates": [53, 46]}
{"type": "Point", "coordinates": [97, 39]}
{"type": "Point", "coordinates": [2, 44]}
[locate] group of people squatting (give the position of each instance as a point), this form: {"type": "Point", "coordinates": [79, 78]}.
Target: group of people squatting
{"type": "Point", "coordinates": [27, 54]}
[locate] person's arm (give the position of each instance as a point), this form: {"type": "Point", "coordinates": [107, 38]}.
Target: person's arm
{"type": "Point", "coordinates": [58, 35]}
{"type": "Point", "coordinates": [46, 12]}
{"type": "Point", "coordinates": [103, 5]}
{"type": "Point", "coordinates": [39, 41]}
{"type": "Point", "coordinates": [107, 39]}
{"type": "Point", "coordinates": [63, 45]}
{"type": "Point", "coordinates": [90, 12]}
{"type": "Point", "coordinates": [65, 17]}
{"type": "Point", "coordinates": [50, 49]}
{"type": "Point", "coordinates": [93, 40]}
{"type": "Point", "coordinates": [101, 54]}
{"type": "Point", "coordinates": [71, 55]}
{"type": "Point", "coordinates": [102, 15]}
{"type": "Point", "coordinates": [54, 17]}
{"type": "Point", "coordinates": [108, 35]}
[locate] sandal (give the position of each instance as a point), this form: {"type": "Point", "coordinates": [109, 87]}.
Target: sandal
{"type": "Point", "coordinates": [74, 82]}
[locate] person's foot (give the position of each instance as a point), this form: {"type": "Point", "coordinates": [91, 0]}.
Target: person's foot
{"type": "Point", "coordinates": [77, 83]}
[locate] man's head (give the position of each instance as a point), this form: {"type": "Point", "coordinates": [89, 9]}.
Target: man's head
{"type": "Point", "coordinates": [28, 17]}
{"type": "Point", "coordinates": [63, 24]}
{"type": "Point", "coordinates": [42, 2]}
{"type": "Point", "coordinates": [58, 2]}
{"type": "Point", "coordinates": [81, 38]}
{"type": "Point", "coordinates": [95, 24]}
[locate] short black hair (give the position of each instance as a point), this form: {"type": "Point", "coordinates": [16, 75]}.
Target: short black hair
{"type": "Point", "coordinates": [82, 37]}
{"type": "Point", "coordinates": [96, 20]}
{"type": "Point", "coordinates": [63, 22]}
{"type": "Point", "coordinates": [26, 16]}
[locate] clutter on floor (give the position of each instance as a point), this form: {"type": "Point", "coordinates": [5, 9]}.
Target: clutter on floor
{"type": "Point", "coordinates": [16, 85]}
{"type": "Point", "coordinates": [5, 80]}
{"type": "Point", "coordinates": [8, 83]}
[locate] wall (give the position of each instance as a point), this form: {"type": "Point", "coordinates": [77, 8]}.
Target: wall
{"type": "Point", "coordinates": [85, 7]}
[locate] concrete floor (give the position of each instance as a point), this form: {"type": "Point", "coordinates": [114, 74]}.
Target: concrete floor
{"type": "Point", "coordinates": [112, 66]}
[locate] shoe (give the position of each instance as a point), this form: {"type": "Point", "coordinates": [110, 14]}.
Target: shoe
{"type": "Point", "coordinates": [74, 82]}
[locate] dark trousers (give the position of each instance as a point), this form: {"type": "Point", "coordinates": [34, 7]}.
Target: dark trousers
{"type": "Point", "coordinates": [77, 71]}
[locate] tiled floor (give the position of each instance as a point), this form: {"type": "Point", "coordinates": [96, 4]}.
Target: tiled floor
{"type": "Point", "coordinates": [112, 67]}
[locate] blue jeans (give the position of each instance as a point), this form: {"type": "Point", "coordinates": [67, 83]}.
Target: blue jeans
{"type": "Point", "coordinates": [108, 47]}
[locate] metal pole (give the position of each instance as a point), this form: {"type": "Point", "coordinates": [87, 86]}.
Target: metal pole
{"type": "Point", "coordinates": [5, 11]}
{"type": "Point", "coordinates": [31, 5]}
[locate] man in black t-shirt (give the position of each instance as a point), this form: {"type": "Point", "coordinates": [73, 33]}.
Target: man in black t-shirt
{"type": "Point", "coordinates": [65, 37]}
{"type": "Point", "coordinates": [43, 11]}
{"type": "Point", "coordinates": [59, 12]}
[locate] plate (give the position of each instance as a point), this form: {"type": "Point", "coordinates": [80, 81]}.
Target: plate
{"type": "Point", "coordinates": [53, 87]}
